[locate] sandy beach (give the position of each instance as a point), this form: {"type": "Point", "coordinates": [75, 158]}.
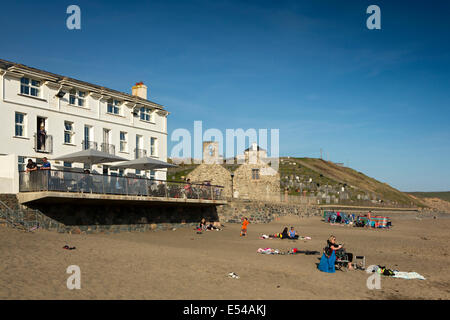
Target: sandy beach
{"type": "Point", "coordinates": [182, 264]}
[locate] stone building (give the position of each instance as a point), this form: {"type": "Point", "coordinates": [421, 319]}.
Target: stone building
{"type": "Point", "coordinates": [252, 179]}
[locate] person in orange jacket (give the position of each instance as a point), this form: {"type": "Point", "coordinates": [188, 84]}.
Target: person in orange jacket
{"type": "Point", "coordinates": [245, 223]}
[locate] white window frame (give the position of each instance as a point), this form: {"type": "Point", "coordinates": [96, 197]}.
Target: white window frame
{"type": "Point", "coordinates": [31, 85]}
{"type": "Point", "coordinates": [20, 124]}
{"type": "Point", "coordinates": [69, 132]}
{"type": "Point", "coordinates": [115, 106]}
{"type": "Point", "coordinates": [21, 163]}
{"type": "Point", "coordinates": [153, 147]}
{"type": "Point", "coordinates": [123, 144]}
{"type": "Point", "coordinates": [146, 114]}
{"type": "Point", "coordinates": [79, 98]}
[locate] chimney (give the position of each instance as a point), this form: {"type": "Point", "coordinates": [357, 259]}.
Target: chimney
{"type": "Point", "coordinates": [139, 90]}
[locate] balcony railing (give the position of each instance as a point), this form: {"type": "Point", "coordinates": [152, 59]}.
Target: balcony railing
{"type": "Point", "coordinates": [108, 148]}
{"type": "Point", "coordinates": [89, 145]}
{"type": "Point", "coordinates": [140, 153]}
{"type": "Point", "coordinates": [43, 143]}
{"type": "Point", "coordinates": [66, 181]}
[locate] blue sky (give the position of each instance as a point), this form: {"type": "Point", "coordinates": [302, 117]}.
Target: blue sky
{"type": "Point", "coordinates": [378, 100]}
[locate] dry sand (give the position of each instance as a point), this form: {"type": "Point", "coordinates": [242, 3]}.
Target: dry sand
{"type": "Point", "coordinates": [181, 264]}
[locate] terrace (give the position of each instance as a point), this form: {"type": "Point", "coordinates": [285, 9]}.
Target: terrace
{"type": "Point", "coordinates": [57, 185]}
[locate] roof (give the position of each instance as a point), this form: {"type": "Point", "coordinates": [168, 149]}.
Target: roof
{"type": "Point", "coordinates": [258, 148]}
{"type": "Point", "coordinates": [4, 64]}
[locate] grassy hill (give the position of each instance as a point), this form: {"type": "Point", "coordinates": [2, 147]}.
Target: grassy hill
{"type": "Point", "coordinates": [327, 173]}
{"type": "Point", "coordinates": [331, 173]}
{"type": "Point", "coordinates": [444, 195]}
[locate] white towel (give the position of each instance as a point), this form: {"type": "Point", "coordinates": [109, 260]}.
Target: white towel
{"type": "Point", "coordinates": [407, 275]}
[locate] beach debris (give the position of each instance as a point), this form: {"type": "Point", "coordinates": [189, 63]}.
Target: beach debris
{"type": "Point", "coordinates": [233, 275]}
{"type": "Point", "coordinates": [173, 229]}
{"type": "Point", "coordinates": [68, 248]}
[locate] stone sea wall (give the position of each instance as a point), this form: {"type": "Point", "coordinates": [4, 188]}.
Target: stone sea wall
{"type": "Point", "coordinates": [262, 212]}
{"type": "Point", "coordinates": [107, 219]}
{"type": "Point", "coordinates": [89, 218]}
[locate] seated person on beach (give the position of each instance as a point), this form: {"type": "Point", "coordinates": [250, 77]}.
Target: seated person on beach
{"type": "Point", "coordinates": [340, 251]}
{"type": "Point", "coordinates": [211, 226]}
{"type": "Point", "coordinates": [202, 225]}
{"type": "Point", "coordinates": [284, 233]}
{"type": "Point", "coordinates": [328, 259]}
{"type": "Point", "coordinates": [293, 234]}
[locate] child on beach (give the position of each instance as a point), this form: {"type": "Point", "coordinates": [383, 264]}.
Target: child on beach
{"type": "Point", "coordinates": [244, 227]}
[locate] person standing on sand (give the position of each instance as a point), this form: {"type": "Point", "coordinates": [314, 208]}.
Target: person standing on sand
{"type": "Point", "coordinates": [369, 221]}
{"type": "Point", "coordinates": [245, 223]}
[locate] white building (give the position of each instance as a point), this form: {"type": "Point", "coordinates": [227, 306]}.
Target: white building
{"type": "Point", "coordinates": [75, 115]}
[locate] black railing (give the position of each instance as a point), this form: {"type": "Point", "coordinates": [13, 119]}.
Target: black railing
{"type": "Point", "coordinates": [108, 148]}
{"type": "Point", "coordinates": [89, 145]}
{"type": "Point", "coordinates": [66, 181]}
{"type": "Point", "coordinates": [43, 143]}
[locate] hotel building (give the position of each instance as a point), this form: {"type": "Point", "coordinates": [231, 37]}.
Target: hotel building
{"type": "Point", "coordinates": [48, 115]}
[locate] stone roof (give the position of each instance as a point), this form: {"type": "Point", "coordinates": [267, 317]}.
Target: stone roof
{"type": "Point", "coordinates": [258, 148]}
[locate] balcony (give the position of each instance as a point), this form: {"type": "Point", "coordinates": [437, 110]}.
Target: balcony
{"type": "Point", "coordinates": [86, 144]}
{"type": "Point", "coordinates": [140, 153]}
{"type": "Point", "coordinates": [56, 184]}
{"type": "Point", "coordinates": [43, 143]}
{"type": "Point", "coordinates": [108, 148]}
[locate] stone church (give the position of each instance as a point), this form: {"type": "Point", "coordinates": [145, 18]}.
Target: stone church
{"type": "Point", "coordinates": [253, 178]}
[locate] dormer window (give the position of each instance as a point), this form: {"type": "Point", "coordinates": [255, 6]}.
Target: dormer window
{"type": "Point", "coordinates": [113, 106]}
{"type": "Point", "coordinates": [30, 87]}
{"type": "Point", "coordinates": [146, 114]}
{"type": "Point", "coordinates": [77, 98]}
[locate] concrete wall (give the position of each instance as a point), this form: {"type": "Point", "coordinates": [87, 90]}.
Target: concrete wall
{"type": "Point", "coordinates": [9, 175]}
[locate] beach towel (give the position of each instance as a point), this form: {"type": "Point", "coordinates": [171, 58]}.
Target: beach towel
{"type": "Point", "coordinates": [408, 275]}
{"type": "Point", "coordinates": [268, 251]}
{"type": "Point", "coordinates": [327, 264]}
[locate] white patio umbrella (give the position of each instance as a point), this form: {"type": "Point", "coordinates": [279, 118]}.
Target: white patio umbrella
{"type": "Point", "coordinates": [144, 163]}
{"type": "Point", "coordinates": [90, 156]}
